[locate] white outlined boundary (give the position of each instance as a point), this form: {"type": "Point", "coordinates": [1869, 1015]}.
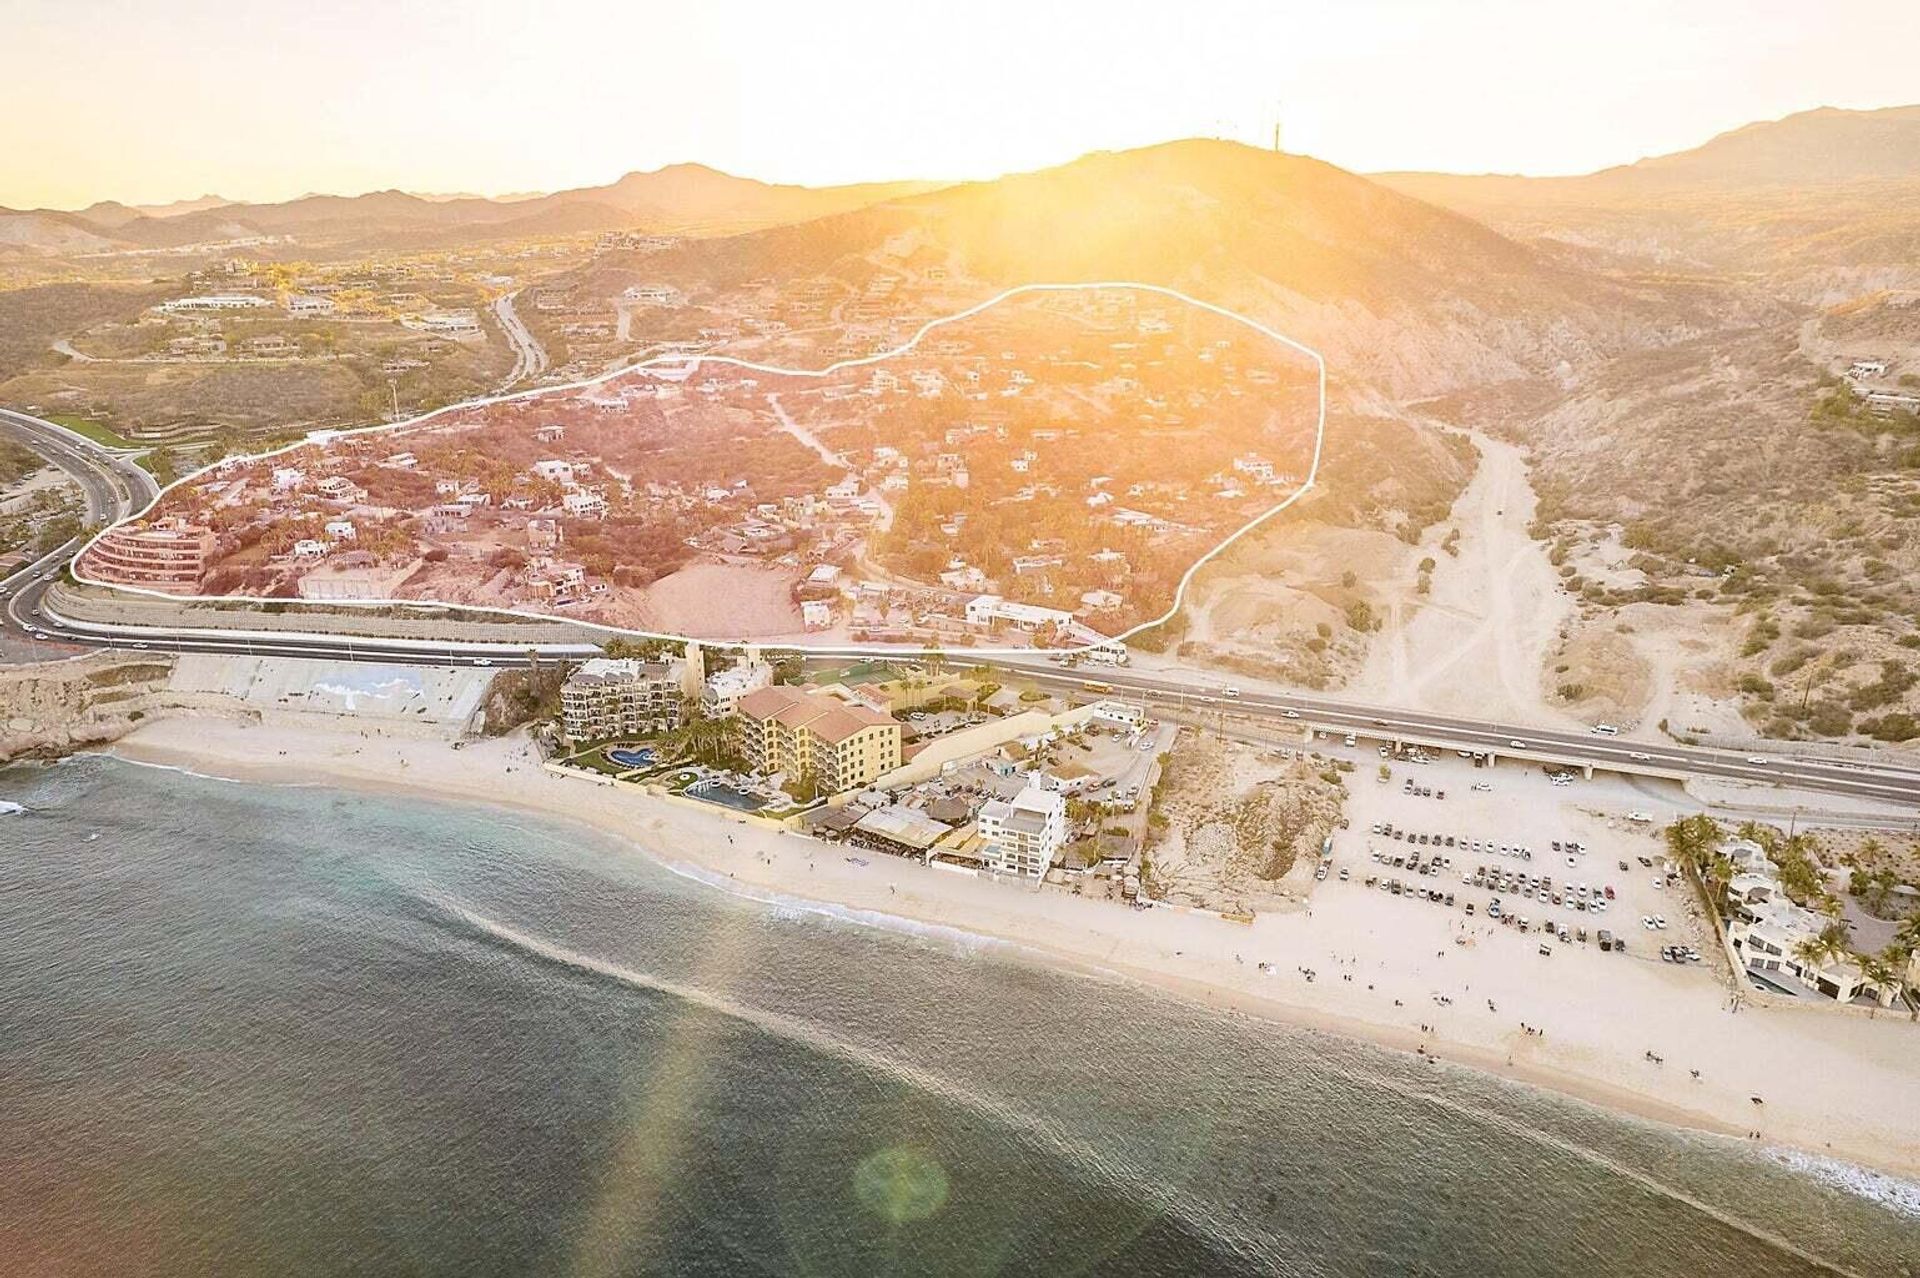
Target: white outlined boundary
{"type": "Point", "coordinates": [323, 437]}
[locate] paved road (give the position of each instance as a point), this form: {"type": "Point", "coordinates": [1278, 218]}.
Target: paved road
{"type": "Point", "coordinates": [529, 357]}
{"type": "Point", "coordinates": [1883, 782]}
{"type": "Point", "coordinates": [1879, 780]}
{"type": "Point", "coordinates": [115, 487]}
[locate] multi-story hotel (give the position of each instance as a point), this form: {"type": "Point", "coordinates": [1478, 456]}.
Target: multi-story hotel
{"type": "Point", "coordinates": [168, 555]}
{"type": "Point", "coordinates": [841, 744]}
{"type": "Point", "coordinates": [606, 698]}
{"type": "Point", "coordinates": [1023, 833]}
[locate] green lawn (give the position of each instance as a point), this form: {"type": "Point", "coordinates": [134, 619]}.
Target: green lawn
{"type": "Point", "coordinates": [92, 430]}
{"type": "Point", "coordinates": [595, 757]}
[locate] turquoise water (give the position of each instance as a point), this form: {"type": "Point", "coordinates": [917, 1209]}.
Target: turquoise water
{"type": "Point", "coordinates": [249, 1030]}
{"type": "Point", "coordinates": [723, 795]}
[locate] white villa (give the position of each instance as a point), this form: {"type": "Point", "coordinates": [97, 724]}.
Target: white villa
{"type": "Point", "coordinates": [720, 695]}
{"type": "Point", "coordinates": [1766, 930]}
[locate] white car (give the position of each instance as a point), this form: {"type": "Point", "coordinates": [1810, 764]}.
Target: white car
{"type": "Point", "coordinates": [1518, 745]}
{"type": "Point", "coordinates": [1605, 730]}
{"type": "Point", "coordinates": [1485, 786]}
{"type": "Point", "coordinates": [1637, 755]}
{"type": "Point", "coordinates": [1290, 714]}
{"type": "Point", "coordinates": [1756, 761]}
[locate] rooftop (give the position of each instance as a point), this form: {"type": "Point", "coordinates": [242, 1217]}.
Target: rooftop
{"type": "Point", "coordinates": [827, 717]}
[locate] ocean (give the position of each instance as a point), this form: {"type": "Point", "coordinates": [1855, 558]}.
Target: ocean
{"type": "Point", "coordinates": [294, 1030]}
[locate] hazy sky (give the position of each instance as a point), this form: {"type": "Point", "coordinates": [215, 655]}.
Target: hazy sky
{"type": "Point", "coordinates": [267, 99]}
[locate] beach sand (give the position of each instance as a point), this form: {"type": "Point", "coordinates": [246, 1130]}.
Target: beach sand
{"type": "Point", "coordinates": [1836, 1082]}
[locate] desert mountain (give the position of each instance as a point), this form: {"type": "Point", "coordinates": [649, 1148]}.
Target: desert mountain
{"type": "Point", "coordinates": [1395, 291]}
{"type": "Point", "coordinates": [1822, 147]}
{"type": "Point", "coordinates": [48, 231]}
{"type": "Point", "coordinates": [1825, 199]}
{"type": "Point", "coordinates": [682, 199]}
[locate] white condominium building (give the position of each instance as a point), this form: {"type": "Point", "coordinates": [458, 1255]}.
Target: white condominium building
{"type": "Point", "coordinates": [605, 698]}
{"type": "Point", "coordinates": [1023, 833]}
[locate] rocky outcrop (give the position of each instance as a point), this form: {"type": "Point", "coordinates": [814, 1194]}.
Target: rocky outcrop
{"type": "Point", "coordinates": [51, 709]}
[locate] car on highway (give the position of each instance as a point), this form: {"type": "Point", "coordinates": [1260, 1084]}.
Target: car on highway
{"type": "Point", "coordinates": [1290, 714]}
{"type": "Point", "coordinates": [1756, 761]}
{"type": "Point", "coordinates": [1638, 756]}
{"type": "Point", "coordinates": [1518, 745]}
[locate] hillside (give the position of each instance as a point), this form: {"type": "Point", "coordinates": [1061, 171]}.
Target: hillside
{"type": "Point", "coordinates": [1824, 199]}
{"type": "Point", "coordinates": [682, 199]}
{"type": "Point", "coordinates": [1823, 147]}
{"type": "Point", "coordinates": [1399, 294]}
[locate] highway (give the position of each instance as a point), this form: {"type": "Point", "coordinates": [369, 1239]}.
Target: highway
{"type": "Point", "coordinates": [1880, 781]}
{"type": "Point", "coordinates": [529, 357]}
{"type": "Point", "coordinates": [115, 488]}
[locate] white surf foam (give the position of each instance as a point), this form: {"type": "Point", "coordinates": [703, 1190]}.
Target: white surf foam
{"type": "Point", "coordinates": [1899, 1196]}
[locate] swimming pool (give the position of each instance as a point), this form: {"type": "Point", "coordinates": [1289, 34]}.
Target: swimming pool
{"type": "Point", "coordinates": [641, 758]}
{"type": "Point", "coordinates": [728, 797]}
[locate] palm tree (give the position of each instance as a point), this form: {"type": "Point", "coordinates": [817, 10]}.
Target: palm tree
{"type": "Point", "coordinates": [1898, 956]}
{"type": "Point", "coordinates": [1833, 940]}
{"type": "Point", "coordinates": [1908, 934]}
{"type": "Point", "coordinates": [1809, 952]}
{"type": "Point", "coordinates": [1693, 839]}
{"type": "Point", "coordinates": [1876, 973]}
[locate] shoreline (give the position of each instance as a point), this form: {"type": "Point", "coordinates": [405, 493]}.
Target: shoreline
{"type": "Point", "coordinates": [1189, 957]}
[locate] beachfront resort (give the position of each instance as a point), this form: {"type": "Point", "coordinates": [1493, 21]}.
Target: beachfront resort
{"type": "Point", "coordinates": [972, 769]}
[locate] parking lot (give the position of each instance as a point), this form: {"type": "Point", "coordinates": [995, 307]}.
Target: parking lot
{"type": "Point", "coordinates": [1507, 848]}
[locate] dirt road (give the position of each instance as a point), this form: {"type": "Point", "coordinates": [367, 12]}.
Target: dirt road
{"type": "Point", "coordinates": [1479, 643]}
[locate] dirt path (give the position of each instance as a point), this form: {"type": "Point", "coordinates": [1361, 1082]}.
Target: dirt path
{"type": "Point", "coordinates": [805, 436]}
{"type": "Point", "coordinates": [1479, 643]}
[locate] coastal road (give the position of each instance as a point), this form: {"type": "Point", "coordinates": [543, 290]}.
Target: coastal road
{"type": "Point", "coordinates": [114, 487]}
{"type": "Point", "coordinates": [114, 483]}
{"type": "Point", "coordinates": [1878, 781]}
{"type": "Point", "coordinates": [1882, 781]}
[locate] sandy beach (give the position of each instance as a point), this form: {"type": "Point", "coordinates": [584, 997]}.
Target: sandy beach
{"type": "Point", "coordinates": [1836, 1083]}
